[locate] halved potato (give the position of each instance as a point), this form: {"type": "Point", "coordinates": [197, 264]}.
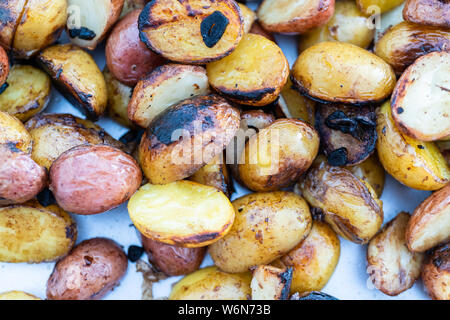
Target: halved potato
{"type": "Point", "coordinates": [425, 114]}
{"type": "Point", "coordinates": [163, 87]}
{"type": "Point", "coordinates": [182, 213]}
{"type": "Point", "coordinates": [244, 76]}
{"type": "Point", "coordinates": [343, 73]}
{"type": "Point", "coordinates": [13, 133]}
{"type": "Point", "coordinates": [371, 7]}
{"type": "Point", "coordinates": [77, 76]}
{"type": "Point", "coordinates": [430, 222]}
{"type": "Point", "coordinates": [33, 233]}
{"type": "Point", "coordinates": [4, 69]}
{"type": "Point", "coordinates": [436, 273]}
{"type": "Point", "coordinates": [371, 171]}
{"type": "Point", "coordinates": [271, 283]}
{"type": "Point", "coordinates": [392, 267]}
{"type": "Point", "coordinates": [90, 21]}
{"type": "Point", "coordinates": [416, 164]}
{"type": "Point", "coordinates": [248, 17]}
{"type": "Point", "coordinates": [215, 174]}
{"type": "Point", "coordinates": [402, 44]}
{"type": "Point", "coordinates": [41, 25]}
{"type": "Point", "coordinates": [119, 95]}
{"type": "Point", "coordinates": [17, 295]}
{"type": "Point", "coordinates": [428, 12]}
{"type": "Point", "coordinates": [186, 137]}
{"type": "Point", "coordinates": [11, 14]}
{"type": "Point", "coordinates": [293, 16]}
{"type": "Point", "coordinates": [191, 31]}
{"type": "Point", "coordinates": [28, 92]}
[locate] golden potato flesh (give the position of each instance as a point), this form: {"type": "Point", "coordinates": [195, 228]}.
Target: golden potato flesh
{"type": "Point", "coordinates": [372, 172]}
{"type": "Point", "coordinates": [181, 213]}
{"type": "Point", "coordinates": [212, 284]}
{"type": "Point", "coordinates": [294, 105]}
{"type": "Point", "coordinates": [370, 7]}
{"type": "Point", "coordinates": [342, 72]}
{"type": "Point", "coordinates": [267, 225]}
{"type": "Point", "coordinates": [13, 132]}
{"type": "Point", "coordinates": [17, 295]}
{"type": "Point", "coordinates": [253, 74]}
{"type": "Point", "coordinates": [416, 164]}
{"type": "Point", "coordinates": [248, 16]}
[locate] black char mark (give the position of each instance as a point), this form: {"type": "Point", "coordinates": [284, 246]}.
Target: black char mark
{"type": "Point", "coordinates": [338, 157]}
{"type": "Point", "coordinates": [3, 87]}
{"type": "Point", "coordinates": [82, 33]}
{"type": "Point", "coordinates": [213, 27]}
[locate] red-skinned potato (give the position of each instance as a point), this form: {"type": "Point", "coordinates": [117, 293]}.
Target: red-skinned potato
{"type": "Point", "coordinates": [127, 57]}
{"type": "Point", "coordinates": [428, 12]}
{"type": "Point", "coordinates": [92, 179]}
{"type": "Point", "coordinates": [89, 272]}
{"type": "Point", "coordinates": [173, 260]}
{"type": "Point", "coordinates": [11, 13]}
{"type": "Point", "coordinates": [4, 68]}
{"type": "Point", "coordinates": [436, 273]}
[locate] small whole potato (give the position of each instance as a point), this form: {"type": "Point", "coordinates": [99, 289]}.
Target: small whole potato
{"type": "Point", "coordinates": [92, 179]}
{"type": "Point", "coordinates": [173, 260]}
{"type": "Point", "coordinates": [278, 155]}
{"type": "Point", "coordinates": [436, 273]}
{"type": "Point", "coordinates": [14, 134]}
{"type": "Point", "coordinates": [4, 69]}
{"type": "Point", "coordinates": [267, 226]}
{"type": "Point", "coordinates": [428, 12]}
{"type": "Point", "coordinates": [89, 272]}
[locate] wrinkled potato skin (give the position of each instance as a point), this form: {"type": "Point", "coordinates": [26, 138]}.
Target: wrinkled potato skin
{"type": "Point", "coordinates": [93, 179]}
{"type": "Point", "coordinates": [118, 98]}
{"type": "Point", "coordinates": [212, 284]}
{"type": "Point", "coordinates": [17, 295]}
{"type": "Point", "coordinates": [4, 66]}
{"type": "Point", "coordinates": [214, 174]}
{"type": "Point", "coordinates": [383, 5]}
{"type": "Point", "coordinates": [173, 260]}
{"type": "Point", "coordinates": [313, 260]}
{"type": "Point", "coordinates": [372, 172]}
{"type": "Point", "coordinates": [436, 273]}
{"type": "Point", "coordinates": [266, 226]}
{"type": "Point", "coordinates": [11, 13]}
{"type": "Point", "coordinates": [428, 12]}
{"type": "Point", "coordinates": [402, 44]}
{"type": "Point", "coordinates": [13, 133]}
{"type": "Point", "coordinates": [89, 272]}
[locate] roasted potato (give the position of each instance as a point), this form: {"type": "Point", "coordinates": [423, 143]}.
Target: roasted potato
{"type": "Point", "coordinates": [436, 273]}
{"type": "Point", "coordinates": [349, 205]}
{"type": "Point", "coordinates": [14, 134]}
{"type": "Point", "coordinates": [77, 76]}
{"type": "Point", "coordinates": [55, 133]}
{"type": "Point", "coordinates": [414, 163]}
{"type": "Point", "coordinates": [191, 31]}
{"type": "Point", "coordinates": [370, 7]}
{"type": "Point", "coordinates": [402, 44]}
{"type": "Point", "coordinates": [4, 69]}
{"type": "Point", "coordinates": [392, 267]}
{"type": "Point", "coordinates": [347, 133]}
{"type": "Point", "coordinates": [173, 260]}
{"type": "Point", "coordinates": [343, 73]}
{"type": "Point", "coordinates": [165, 86]}
{"type": "Point", "coordinates": [430, 222]}
{"type": "Point", "coordinates": [92, 179]}
{"type": "Point", "coordinates": [428, 12]}
{"type": "Point", "coordinates": [17, 295]}
{"type": "Point", "coordinates": [89, 272]}
{"type": "Point", "coordinates": [131, 5]}
{"type": "Point", "coordinates": [271, 283]}
{"type": "Point", "coordinates": [182, 213]}
{"type": "Point", "coordinates": [258, 29]}
{"type": "Point", "coordinates": [313, 260]}
{"type": "Point", "coordinates": [267, 226]}
{"type": "Point", "coordinates": [186, 137]}
{"type": "Point", "coordinates": [425, 114]}
{"type": "Point", "coordinates": [278, 155]}
{"type": "Point", "coordinates": [33, 233]}
{"type": "Point", "coordinates": [28, 92]}
{"type": "Point", "coordinates": [371, 171]}
{"type": "Point", "coordinates": [244, 77]}
{"type": "Point", "coordinates": [348, 24]}
{"type": "Point", "coordinates": [215, 174]}
{"type": "Point", "coordinates": [292, 16]}
{"type": "Point", "coordinates": [212, 284]}
{"type": "Point", "coordinates": [127, 57]}
{"type": "Point", "coordinates": [11, 13]}
{"type": "Point", "coordinates": [248, 17]}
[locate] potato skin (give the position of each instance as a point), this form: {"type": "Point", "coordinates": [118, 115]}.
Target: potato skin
{"type": "Point", "coordinates": [118, 98]}
{"type": "Point", "coordinates": [127, 57]}
{"type": "Point", "coordinates": [173, 260]}
{"type": "Point", "coordinates": [372, 172]}
{"type": "Point", "coordinates": [436, 273]}
{"type": "Point", "coordinates": [258, 29]}
{"type": "Point", "coordinates": [4, 66]}
{"type": "Point", "coordinates": [266, 226]}
{"type": "Point", "coordinates": [89, 272]}
{"type": "Point", "coordinates": [428, 12]}
{"type": "Point", "coordinates": [93, 179]}
{"type": "Point", "coordinates": [215, 174]}
{"type": "Point", "coordinates": [11, 13]}
{"type": "Point", "coordinates": [14, 134]}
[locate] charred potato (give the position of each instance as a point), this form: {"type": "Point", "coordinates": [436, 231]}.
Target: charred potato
{"type": "Point", "coordinates": [271, 283]}
{"type": "Point", "coordinates": [278, 155]}
{"type": "Point", "coordinates": [212, 284]}
{"type": "Point", "coordinates": [182, 213]}
{"type": "Point", "coordinates": [119, 95]}
{"type": "Point", "coordinates": [28, 92]}
{"type": "Point", "coordinates": [248, 17]}
{"type": "Point", "coordinates": [77, 76]}
{"type": "Point", "coordinates": [267, 226]}
{"type": "Point", "coordinates": [416, 164]}
{"type": "Point", "coordinates": [347, 203]}
{"type": "Point", "coordinates": [186, 137]}
{"type": "Point", "coordinates": [173, 260]}
{"type": "Point", "coordinates": [402, 44]}
{"type": "Point", "coordinates": [392, 267]}
{"type": "Point", "coordinates": [292, 16]}
{"type": "Point", "coordinates": [127, 57]}
{"type": "Point", "coordinates": [165, 86]}
{"type": "Point", "coordinates": [430, 222]}
{"type": "Point", "coordinates": [33, 233]}
{"type": "Point", "coordinates": [4, 70]}
{"type": "Point", "coordinates": [93, 179]}
{"type": "Point", "coordinates": [89, 272]}
{"type": "Point", "coordinates": [14, 134]}
{"type": "Point", "coordinates": [371, 171]}
{"type": "Point", "coordinates": [424, 116]}
{"type": "Point", "coordinates": [244, 77]}
{"type": "Point", "coordinates": [17, 295]}
{"type": "Point", "coordinates": [11, 13]}
{"type": "Point", "coordinates": [191, 31]}
{"type": "Point", "coordinates": [369, 7]}
{"type": "Point", "coordinates": [214, 174]}
{"type": "Point", "coordinates": [343, 73]}
{"type": "Point", "coordinates": [436, 273]}
{"type": "Point", "coordinates": [428, 12]}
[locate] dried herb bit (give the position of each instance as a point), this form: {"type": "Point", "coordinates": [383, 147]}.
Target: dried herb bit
{"type": "Point", "coordinates": [82, 33]}
{"type": "Point", "coordinates": [213, 27]}
{"type": "Point", "coordinates": [313, 295]}
{"type": "Point", "coordinates": [338, 157]}
{"type": "Point", "coordinates": [3, 87]}
{"type": "Point", "coordinates": [135, 253]}
{"type": "Point", "coordinates": [46, 197]}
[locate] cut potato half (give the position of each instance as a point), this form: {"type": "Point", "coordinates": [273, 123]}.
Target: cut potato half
{"type": "Point", "coordinates": [271, 283]}
{"type": "Point", "coordinates": [17, 295]}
